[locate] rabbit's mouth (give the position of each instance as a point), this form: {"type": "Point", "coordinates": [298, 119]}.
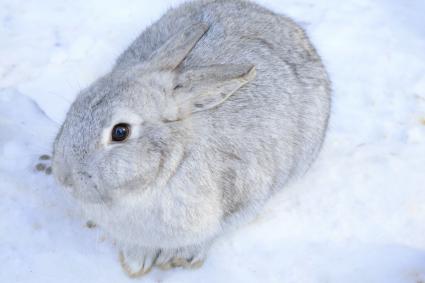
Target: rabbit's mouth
{"type": "Point", "coordinates": [88, 194]}
{"type": "Point", "coordinates": [82, 187]}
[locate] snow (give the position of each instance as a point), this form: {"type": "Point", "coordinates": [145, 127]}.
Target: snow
{"type": "Point", "coordinates": [357, 216]}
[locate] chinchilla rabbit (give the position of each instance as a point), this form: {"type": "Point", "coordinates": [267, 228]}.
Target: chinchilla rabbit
{"type": "Point", "coordinates": [211, 110]}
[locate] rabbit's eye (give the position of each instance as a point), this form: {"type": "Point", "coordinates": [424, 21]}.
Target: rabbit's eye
{"type": "Point", "coordinates": [120, 132]}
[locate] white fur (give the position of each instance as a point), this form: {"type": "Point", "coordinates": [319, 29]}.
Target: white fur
{"type": "Point", "coordinates": [227, 102]}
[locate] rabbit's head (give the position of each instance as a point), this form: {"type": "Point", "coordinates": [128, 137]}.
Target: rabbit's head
{"type": "Point", "coordinates": [128, 130]}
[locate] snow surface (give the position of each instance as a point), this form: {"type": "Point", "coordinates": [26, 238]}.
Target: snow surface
{"type": "Point", "coordinates": [357, 216]}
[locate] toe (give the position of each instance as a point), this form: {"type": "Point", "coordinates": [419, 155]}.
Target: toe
{"type": "Point", "coordinates": [164, 260]}
{"type": "Point", "coordinates": [139, 263]}
{"type": "Point", "coordinates": [40, 167]}
{"type": "Point", "coordinates": [179, 262]}
{"type": "Point", "coordinates": [48, 170]}
{"type": "Point", "coordinates": [195, 264]}
{"type": "Point", "coordinates": [44, 157]}
{"type": "Point", "coordinates": [192, 257]}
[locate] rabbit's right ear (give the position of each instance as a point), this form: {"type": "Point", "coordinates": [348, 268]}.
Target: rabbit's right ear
{"type": "Point", "coordinates": [201, 88]}
{"type": "Point", "coordinates": [173, 51]}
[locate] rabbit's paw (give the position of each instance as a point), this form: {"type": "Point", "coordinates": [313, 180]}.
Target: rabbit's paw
{"type": "Point", "coordinates": [44, 164]}
{"type": "Point", "coordinates": [137, 262]}
{"type": "Point", "coordinates": [188, 257]}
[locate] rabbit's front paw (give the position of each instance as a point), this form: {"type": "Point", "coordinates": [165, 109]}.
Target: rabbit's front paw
{"type": "Point", "coordinates": [44, 164]}
{"type": "Point", "coordinates": [137, 262]}
{"type": "Point", "coordinates": [188, 257]}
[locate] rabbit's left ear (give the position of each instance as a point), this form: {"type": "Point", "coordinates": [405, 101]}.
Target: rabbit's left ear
{"type": "Point", "coordinates": [175, 49]}
{"type": "Point", "coordinates": [202, 88]}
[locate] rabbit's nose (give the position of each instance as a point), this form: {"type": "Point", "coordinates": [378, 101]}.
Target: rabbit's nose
{"type": "Point", "coordinates": [83, 177]}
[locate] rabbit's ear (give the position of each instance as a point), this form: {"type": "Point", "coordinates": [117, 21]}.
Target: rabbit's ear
{"type": "Point", "coordinates": [173, 51]}
{"type": "Point", "coordinates": [203, 88]}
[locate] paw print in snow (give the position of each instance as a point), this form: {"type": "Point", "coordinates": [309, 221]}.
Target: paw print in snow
{"type": "Point", "coordinates": [44, 164]}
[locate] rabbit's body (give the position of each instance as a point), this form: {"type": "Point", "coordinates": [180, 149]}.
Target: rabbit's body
{"type": "Point", "coordinates": [211, 164]}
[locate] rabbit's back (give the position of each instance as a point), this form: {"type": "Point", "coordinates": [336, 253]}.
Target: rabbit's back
{"type": "Point", "coordinates": [282, 114]}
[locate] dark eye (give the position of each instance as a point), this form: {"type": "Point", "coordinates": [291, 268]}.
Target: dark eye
{"type": "Point", "coordinates": [120, 132]}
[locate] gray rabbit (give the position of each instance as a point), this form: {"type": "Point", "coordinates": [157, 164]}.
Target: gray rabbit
{"type": "Point", "coordinates": [213, 109]}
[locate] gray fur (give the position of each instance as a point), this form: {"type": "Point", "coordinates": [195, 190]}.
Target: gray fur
{"type": "Point", "coordinates": [227, 101]}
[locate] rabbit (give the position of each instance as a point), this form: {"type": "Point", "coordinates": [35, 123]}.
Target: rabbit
{"type": "Point", "coordinates": [209, 112]}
